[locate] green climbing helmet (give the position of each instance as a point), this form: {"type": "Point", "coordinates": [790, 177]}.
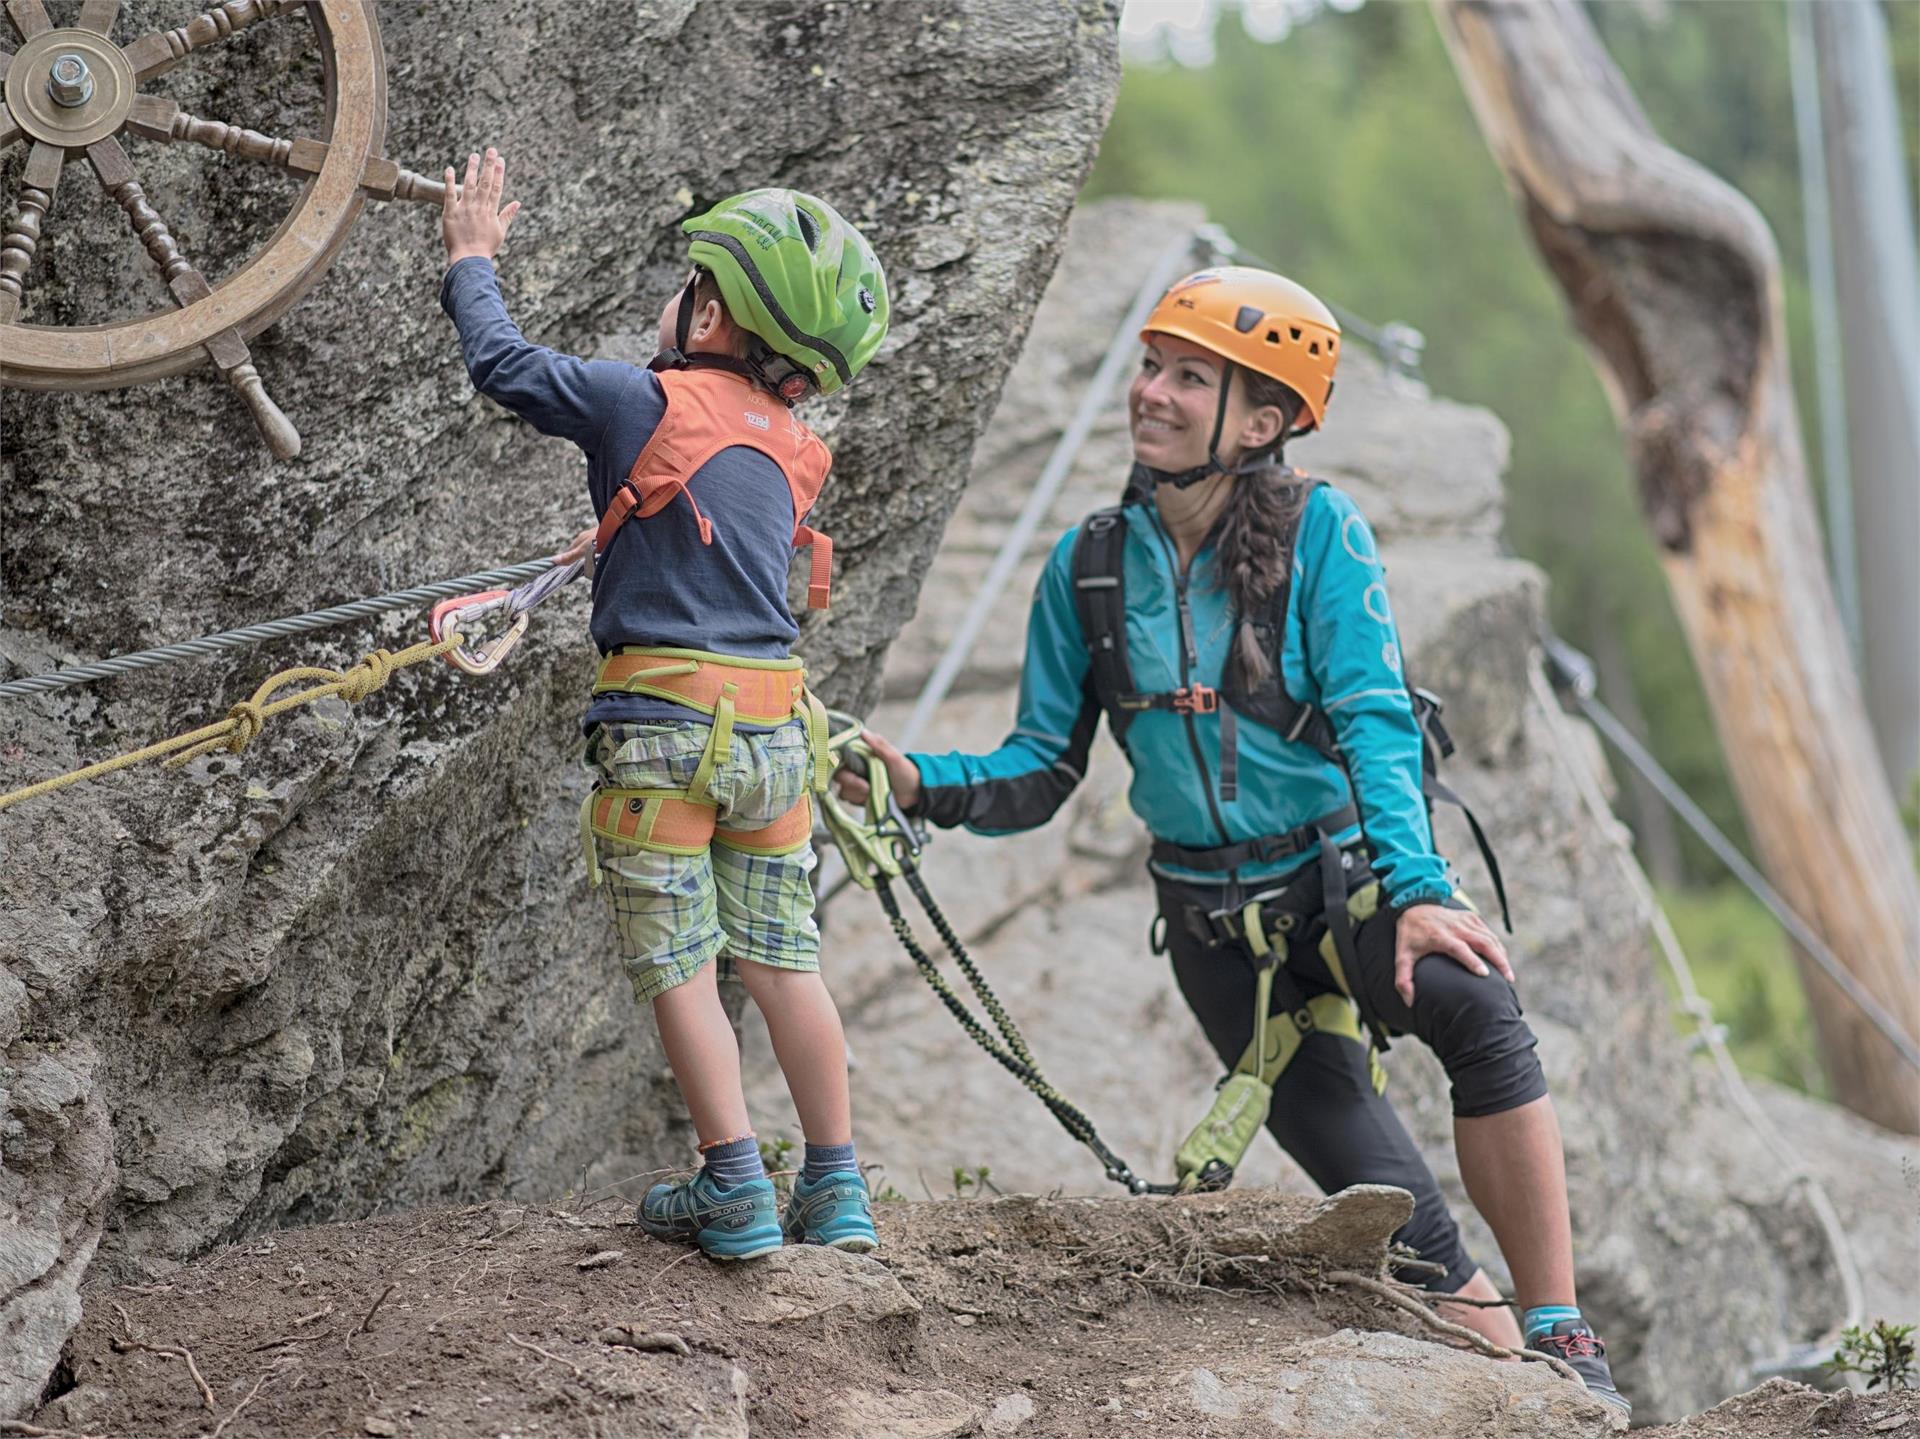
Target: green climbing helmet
{"type": "Point", "coordinates": [797, 275]}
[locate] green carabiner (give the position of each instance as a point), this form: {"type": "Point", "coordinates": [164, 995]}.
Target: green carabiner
{"type": "Point", "coordinates": [877, 841]}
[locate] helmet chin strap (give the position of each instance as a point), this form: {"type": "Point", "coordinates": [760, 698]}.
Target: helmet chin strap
{"type": "Point", "coordinates": [763, 366]}
{"type": "Point", "coordinates": [1145, 479]}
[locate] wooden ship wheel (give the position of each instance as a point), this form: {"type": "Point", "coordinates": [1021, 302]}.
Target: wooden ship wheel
{"type": "Point", "coordinates": [71, 93]}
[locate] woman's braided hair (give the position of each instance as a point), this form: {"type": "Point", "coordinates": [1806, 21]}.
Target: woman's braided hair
{"type": "Point", "coordinates": [1253, 536]}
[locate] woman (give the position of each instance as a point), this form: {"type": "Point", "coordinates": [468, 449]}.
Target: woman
{"type": "Point", "coordinates": [1248, 663]}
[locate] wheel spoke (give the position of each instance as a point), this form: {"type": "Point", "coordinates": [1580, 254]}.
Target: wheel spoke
{"type": "Point", "coordinates": [272, 422]}
{"type": "Point", "coordinates": [37, 185]}
{"type": "Point", "coordinates": [187, 286]}
{"type": "Point", "coordinates": [158, 118]}
{"type": "Point", "coordinates": [29, 17]}
{"type": "Point", "coordinates": [384, 180]}
{"type": "Point", "coordinates": [158, 52]}
{"type": "Point", "coordinates": [99, 15]}
{"type": "Point", "coordinates": [116, 174]}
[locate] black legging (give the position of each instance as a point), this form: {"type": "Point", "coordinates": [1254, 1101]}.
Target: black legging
{"type": "Point", "coordinates": [1325, 1111]}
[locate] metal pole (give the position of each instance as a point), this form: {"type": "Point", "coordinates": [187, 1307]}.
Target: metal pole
{"type": "Point", "coordinates": [1828, 363]}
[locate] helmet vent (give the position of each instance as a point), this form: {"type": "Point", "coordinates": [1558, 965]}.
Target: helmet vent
{"type": "Point", "coordinates": [809, 228]}
{"type": "Point", "coordinates": [1273, 337]}
{"type": "Point", "coordinates": [1247, 318]}
{"type": "Point", "coordinates": [1294, 331]}
{"type": "Point", "coordinates": [1314, 348]}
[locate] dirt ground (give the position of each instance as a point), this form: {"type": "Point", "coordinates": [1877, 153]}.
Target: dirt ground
{"type": "Point", "coordinates": [1055, 1319]}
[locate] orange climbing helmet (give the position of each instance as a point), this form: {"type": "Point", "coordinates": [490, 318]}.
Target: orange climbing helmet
{"type": "Point", "coordinates": [1259, 320]}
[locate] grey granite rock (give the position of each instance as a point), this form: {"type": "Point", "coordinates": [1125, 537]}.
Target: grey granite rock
{"type": "Point", "coordinates": [357, 967]}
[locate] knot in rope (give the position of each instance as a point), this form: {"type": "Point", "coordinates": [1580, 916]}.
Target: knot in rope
{"type": "Point", "coordinates": [366, 677]}
{"type": "Point", "coordinates": [248, 720]}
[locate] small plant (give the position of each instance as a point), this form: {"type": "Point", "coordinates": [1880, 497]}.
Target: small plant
{"type": "Point", "coordinates": [1883, 1353]}
{"type": "Point", "coordinates": [965, 1179]}
{"type": "Point", "coordinates": [776, 1156]}
{"type": "Point", "coordinates": [878, 1188]}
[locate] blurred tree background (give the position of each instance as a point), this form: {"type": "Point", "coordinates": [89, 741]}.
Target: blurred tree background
{"type": "Point", "coordinates": [1333, 139]}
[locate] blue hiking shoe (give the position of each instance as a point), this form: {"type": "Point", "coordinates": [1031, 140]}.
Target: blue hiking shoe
{"type": "Point", "coordinates": [737, 1223]}
{"type": "Point", "coordinates": [1572, 1341]}
{"type": "Point", "coordinates": [834, 1212]}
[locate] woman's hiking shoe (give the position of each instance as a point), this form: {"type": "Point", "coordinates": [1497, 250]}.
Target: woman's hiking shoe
{"type": "Point", "coordinates": [737, 1223]}
{"type": "Point", "coordinates": [1572, 1341]}
{"type": "Point", "coordinates": [832, 1211]}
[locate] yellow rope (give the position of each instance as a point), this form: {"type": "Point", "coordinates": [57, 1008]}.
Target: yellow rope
{"type": "Point", "coordinates": [246, 719]}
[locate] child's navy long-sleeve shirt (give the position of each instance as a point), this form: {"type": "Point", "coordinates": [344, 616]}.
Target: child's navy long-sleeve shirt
{"type": "Point", "coordinates": [657, 584]}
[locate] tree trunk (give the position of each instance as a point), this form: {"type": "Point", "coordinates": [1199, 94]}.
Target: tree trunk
{"type": "Point", "coordinates": [1675, 283]}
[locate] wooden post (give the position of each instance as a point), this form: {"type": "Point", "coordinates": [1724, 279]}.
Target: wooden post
{"type": "Point", "coordinates": [1673, 279]}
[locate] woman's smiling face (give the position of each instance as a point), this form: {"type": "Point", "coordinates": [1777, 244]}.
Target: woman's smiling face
{"type": "Point", "coordinates": [1172, 404]}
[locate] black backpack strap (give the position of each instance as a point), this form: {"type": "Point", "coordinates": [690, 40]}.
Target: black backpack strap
{"type": "Point", "coordinates": [1436, 745]}
{"type": "Point", "coordinates": [1100, 600]}
{"type": "Point", "coordinates": [1434, 789]}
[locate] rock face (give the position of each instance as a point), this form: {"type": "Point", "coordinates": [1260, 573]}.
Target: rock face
{"type": "Point", "coordinates": [358, 968]}
{"type": "Point", "coordinates": [1696, 1258]}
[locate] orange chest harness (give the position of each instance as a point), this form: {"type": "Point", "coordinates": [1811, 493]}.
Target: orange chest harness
{"type": "Point", "coordinates": [709, 411]}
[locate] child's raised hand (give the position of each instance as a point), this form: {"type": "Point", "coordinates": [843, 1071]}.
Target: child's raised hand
{"type": "Point", "coordinates": [580, 547]}
{"type": "Point", "coordinates": [471, 220]}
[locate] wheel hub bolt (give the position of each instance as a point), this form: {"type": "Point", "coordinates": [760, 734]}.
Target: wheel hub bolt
{"type": "Point", "coordinates": [71, 82]}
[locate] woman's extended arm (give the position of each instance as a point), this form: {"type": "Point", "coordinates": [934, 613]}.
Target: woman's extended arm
{"type": "Point", "coordinates": [1023, 783]}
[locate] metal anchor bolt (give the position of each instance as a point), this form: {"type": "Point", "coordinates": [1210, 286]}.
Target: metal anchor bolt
{"type": "Point", "coordinates": [70, 82]}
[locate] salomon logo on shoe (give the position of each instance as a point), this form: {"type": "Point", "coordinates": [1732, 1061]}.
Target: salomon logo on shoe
{"type": "Point", "coordinates": [737, 1223]}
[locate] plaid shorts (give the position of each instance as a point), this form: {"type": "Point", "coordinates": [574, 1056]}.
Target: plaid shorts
{"type": "Point", "coordinates": [675, 913]}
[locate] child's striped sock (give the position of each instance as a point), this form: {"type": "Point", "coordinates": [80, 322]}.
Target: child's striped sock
{"type": "Point", "coordinates": [824, 1159]}
{"type": "Point", "coordinates": [733, 1162]}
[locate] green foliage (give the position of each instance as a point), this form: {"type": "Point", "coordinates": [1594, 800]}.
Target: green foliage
{"type": "Point", "coordinates": [1883, 1353]}
{"type": "Point", "coordinates": [776, 1156]}
{"type": "Point", "coordinates": [1745, 970]}
{"type": "Point", "coordinates": [971, 1182]}
{"type": "Point", "coordinates": [878, 1187]}
{"type": "Point", "coordinates": [1910, 817]}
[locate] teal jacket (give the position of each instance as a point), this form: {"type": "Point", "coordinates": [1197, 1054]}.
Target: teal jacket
{"type": "Point", "coordinates": [1341, 653]}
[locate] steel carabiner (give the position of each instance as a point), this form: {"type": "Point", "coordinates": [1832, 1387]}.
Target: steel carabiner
{"type": "Point", "coordinates": [455, 616]}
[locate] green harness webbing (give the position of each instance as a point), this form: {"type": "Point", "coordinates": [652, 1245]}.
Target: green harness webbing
{"type": "Point", "coordinates": [880, 845]}
{"type": "Point", "coordinates": [1208, 1157]}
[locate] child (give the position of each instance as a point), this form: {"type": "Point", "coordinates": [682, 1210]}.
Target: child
{"type": "Point", "coordinates": [704, 743]}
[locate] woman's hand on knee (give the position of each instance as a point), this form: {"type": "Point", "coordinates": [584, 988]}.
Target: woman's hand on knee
{"type": "Point", "coordinates": [1459, 934]}
{"type": "Point", "coordinates": [903, 772]}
